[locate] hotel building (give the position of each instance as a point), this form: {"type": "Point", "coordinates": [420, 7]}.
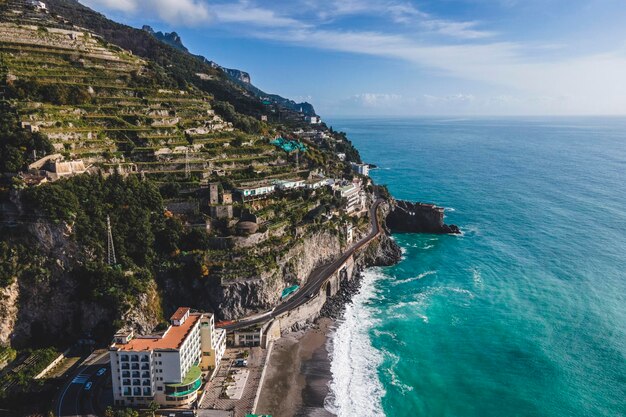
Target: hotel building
{"type": "Point", "coordinates": [167, 367]}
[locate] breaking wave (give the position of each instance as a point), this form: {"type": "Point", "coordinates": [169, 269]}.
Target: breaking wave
{"type": "Point", "coordinates": [355, 389]}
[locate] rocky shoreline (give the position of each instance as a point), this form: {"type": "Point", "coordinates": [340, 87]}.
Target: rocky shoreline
{"type": "Point", "coordinates": [409, 217]}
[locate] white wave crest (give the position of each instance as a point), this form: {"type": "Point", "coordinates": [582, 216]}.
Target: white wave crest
{"type": "Point", "coordinates": [477, 278]}
{"type": "Point", "coordinates": [393, 377]}
{"type": "Point", "coordinates": [355, 389]}
{"type": "Point", "coordinates": [417, 278]}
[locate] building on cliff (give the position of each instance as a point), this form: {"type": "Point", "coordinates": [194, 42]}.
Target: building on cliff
{"type": "Point", "coordinates": [255, 191]}
{"type": "Point", "coordinates": [361, 169]}
{"type": "Point", "coordinates": [354, 198]}
{"type": "Point", "coordinates": [166, 368]}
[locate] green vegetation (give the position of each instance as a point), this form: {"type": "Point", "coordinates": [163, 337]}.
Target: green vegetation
{"type": "Point", "coordinates": [6, 355]}
{"type": "Point", "coordinates": [126, 412]}
{"type": "Point", "coordinates": [240, 121]}
{"type": "Point", "coordinates": [17, 145]}
{"type": "Point", "coordinates": [19, 380]}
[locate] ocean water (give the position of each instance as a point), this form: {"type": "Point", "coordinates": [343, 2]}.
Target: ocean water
{"type": "Point", "coordinates": [525, 313]}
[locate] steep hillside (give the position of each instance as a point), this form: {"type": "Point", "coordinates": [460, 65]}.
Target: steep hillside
{"type": "Point", "coordinates": [239, 77]}
{"type": "Point", "coordinates": [105, 126]}
{"type": "Point", "coordinates": [135, 178]}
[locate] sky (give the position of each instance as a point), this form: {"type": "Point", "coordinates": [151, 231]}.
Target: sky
{"type": "Point", "coordinates": [410, 57]}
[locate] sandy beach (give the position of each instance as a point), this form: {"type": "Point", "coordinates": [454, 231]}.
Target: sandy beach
{"type": "Point", "coordinates": [298, 374]}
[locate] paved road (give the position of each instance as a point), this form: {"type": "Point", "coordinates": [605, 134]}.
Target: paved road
{"type": "Point", "coordinates": [73, 399]}
{"type": "Point", "coordinates": [315, 281]}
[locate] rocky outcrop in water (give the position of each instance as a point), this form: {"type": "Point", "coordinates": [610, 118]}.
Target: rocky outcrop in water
{"type": "Point", "coordinates": [408, 217]}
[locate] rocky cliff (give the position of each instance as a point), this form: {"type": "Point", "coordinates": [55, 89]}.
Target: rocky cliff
{"type": "Point", "coordinates": [408, 217]}
{"type": "Point", "coordinates": [46, 302]}
{"type": "Point", "coordinates": [238, 298]}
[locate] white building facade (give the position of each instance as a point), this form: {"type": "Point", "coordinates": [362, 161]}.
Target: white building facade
{"type": "Point", "coordinates": [164, 368]}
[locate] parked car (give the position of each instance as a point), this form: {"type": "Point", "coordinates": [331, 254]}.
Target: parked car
{"type": "Point", "coordinates": [88, 385]}
{"type": "Point", "coordinates": [101, 371]}
{"type": "Point", "coordinates": [241, 362]}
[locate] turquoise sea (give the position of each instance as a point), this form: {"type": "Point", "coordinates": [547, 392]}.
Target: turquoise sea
{"type": "Point", "coordinates": [525, 313]}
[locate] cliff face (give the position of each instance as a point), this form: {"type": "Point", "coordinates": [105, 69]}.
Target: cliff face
{"type": "Point", "coordinates": [408, 217]}
{"type": "Point", "coordinates": [231, 300]}
{"type": "Point", "coordinates": [44, 305]}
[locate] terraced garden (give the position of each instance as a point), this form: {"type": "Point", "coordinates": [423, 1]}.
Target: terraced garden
{"type": "Point", "coordinates": [99, 103]}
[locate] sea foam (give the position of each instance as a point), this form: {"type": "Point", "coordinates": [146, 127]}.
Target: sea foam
{"type": "Point", "coordinates": [355, 389]}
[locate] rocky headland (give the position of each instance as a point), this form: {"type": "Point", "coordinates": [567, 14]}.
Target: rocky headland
{"type": "Point", "coordinates": [408, 217]}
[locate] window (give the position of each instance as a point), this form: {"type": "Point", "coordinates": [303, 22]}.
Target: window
{"type": "Point", "coordinates": [124, 358]}
{"type": "Point", "coordinates": [125, 374]}
{"type": "Point", "coordinates": [135, 374]}
{"type": "Point", "coordinates": [126, 382]}
{"type": "Point", "coordinates": [146, 382]}
{"type": "Point", "coordinates": [134, 366]}
{"type": "Point", "coordinates": [137, 391]}
{"type": "Point", "coordinates": [159, 388]}
{"type": "Point", "coordinates": [125, 366]}
{"type": "Point", "coordinates": [147, 391]}
{"type": "Point", "coordinates": [136, 382]}
{"type": "Point", "coordinates": [134, 358]}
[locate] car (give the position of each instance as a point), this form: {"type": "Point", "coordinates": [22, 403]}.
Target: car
{"type": "Point", "coordinates": [101, 371]}
{"type": "Point", "coordinates": [88, 385]}
{"type": "Point", "coordinates": [241, 362]}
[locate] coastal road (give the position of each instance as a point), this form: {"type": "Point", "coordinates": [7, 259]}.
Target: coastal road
{"type": "Point", "coordinates": [315, 281]}
{"type": "Point", "coordinates": [74, 400]}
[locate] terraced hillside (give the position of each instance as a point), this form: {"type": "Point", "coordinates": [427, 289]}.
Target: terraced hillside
{"type": "Point", "coordinates": [98, 102]}
{"type": "Point", "coordinates": [212, 208]}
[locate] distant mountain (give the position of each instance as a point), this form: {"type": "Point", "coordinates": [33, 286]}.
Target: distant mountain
{"type": "Point", "coordinates": [241, 78]}
{"type": "Point", "coordinates": [172, 39]}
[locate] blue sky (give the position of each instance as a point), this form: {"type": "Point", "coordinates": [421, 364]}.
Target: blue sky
{"type": "Point", "coordinates": [410, 57]}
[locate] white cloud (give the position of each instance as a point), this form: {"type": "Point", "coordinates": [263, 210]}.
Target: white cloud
{"type": "Point", "coordinates": [246, 13]}
{"type": "Point", "coordinates": [174, 12]}
{"type": "Point", "coordinates": [589, 78]}
{"type": "Point", "coordinates": [376, 100]}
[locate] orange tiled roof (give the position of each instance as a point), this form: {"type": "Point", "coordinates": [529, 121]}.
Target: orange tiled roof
{"type": "Point", "coordinates": [173, 339]}
{"type": "Point", "coordinates": [180, 313]}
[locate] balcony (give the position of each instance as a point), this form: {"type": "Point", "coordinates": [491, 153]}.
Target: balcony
{"type": "Point", "coordinates": [189, 384]}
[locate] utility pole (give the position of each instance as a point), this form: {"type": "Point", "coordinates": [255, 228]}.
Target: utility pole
{"type": "Point", "coordinates": [110, 247]}
{"type": "Point", "coordinates": [297, 159]}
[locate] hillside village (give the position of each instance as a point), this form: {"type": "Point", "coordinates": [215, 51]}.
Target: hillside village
{"type": "Point", "coordinates": [216, 205]}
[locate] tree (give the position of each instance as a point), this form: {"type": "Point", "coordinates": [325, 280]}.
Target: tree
{"type": "Point", "coordinates": [153, 407]}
